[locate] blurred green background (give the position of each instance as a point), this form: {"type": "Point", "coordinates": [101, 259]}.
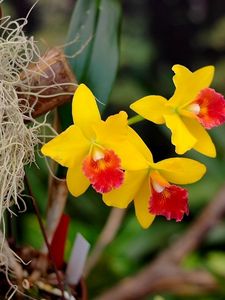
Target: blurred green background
{"type": "Point", "coordinates": [154, 35]}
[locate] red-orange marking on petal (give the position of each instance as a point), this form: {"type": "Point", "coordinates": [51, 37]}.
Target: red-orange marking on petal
{"type": "Point", "coordinates": [104, 171]}
{"type": "Point", "coordinates": [212, 108]}
{"type": "Point", "coordinates": [171, 202]}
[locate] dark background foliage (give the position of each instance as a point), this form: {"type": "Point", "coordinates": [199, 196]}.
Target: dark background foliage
{"type": "Point", "coordinates": [155, 35]}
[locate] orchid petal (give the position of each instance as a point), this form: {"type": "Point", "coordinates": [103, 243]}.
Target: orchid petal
{"type": "Point", "coordinates": [85, 110]}
{"type": "Point", "coordinates": [122, 196]}
{"type": "Point", "coordinates": [113, 129]}
{"type": "Point", "coordinates": [113, 134]}
{"type": "Point", "coordinates": [135, 139]}
{"type": "Point", "coordinates": [171, 203]}
{"type": "Point", "coordinates": [182, 138]}
{"type": "Point", "coordinates": [180, 170]}
{"type": "Point", "coordinates": [76, 181]}
{"type": "Point", "coordinates": [151, 108]}
{"type": "Point", "coordinates": [204, 143]}
{"type": "Point", "coordinates": [188, 84]}
{"type": "Point", "coordinates": [131, 158]}
{"type": "Point", "coordinates": [68, 148]}
{"type": "Point", "coordinates": [141, 204]}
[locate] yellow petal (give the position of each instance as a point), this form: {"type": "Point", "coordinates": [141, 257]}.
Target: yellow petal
{"type": "Point", "coordinates": [114, 128]}
{"type": "Point", "coordinates": [188, 84]}
{"type": "Point", "coordinates": [135, 139]}
{"type": "Point", "coordinates": [113, 134]}
{"type": "Point", "coordinates": [151, 108]}
{"type": "Point", "coordinates": [85, 110]}
{"type": "Point", "coordinates": [141, 204]}
{"type": "Point", "coordinates": [180, 170]}
{"type": "Point", "coordinates": [76, 181]}
{"type": "Point", "coordinates": [68, 148]}
{"type": "Point", "coordinates": [131, 158]}
{"type": "Point", "coordinates": [182, 138]}
{"type": "Point", "coordinates": [122, 196]}
{"type": "Point", "coordinates": [204, 143]}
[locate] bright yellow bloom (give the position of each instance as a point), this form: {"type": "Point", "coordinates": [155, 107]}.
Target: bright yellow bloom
{"type": "Point", "coordinates": [150, 187]}
{"type": "Point", "coordinates": [94, 151]}
{"type": "Point", "coordinates": [192, 107]}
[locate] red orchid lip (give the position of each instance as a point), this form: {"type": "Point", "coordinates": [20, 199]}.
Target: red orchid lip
{"type": "Point", "coordinates": [103, 170]}
{"type": "Point", "coordinates": [212, 108]}
{"type": "Point", "coordinates": [171, 202]}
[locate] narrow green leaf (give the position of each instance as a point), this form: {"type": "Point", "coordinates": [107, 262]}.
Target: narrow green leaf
{"type": "Point", "coordinates": [104, 59]}
{"type": "Point", "coordinates": [80, 40]}
{"type": "Point", "coordinates": [80, 36]}
{"type": "Point", "coordinates": [96, 26]}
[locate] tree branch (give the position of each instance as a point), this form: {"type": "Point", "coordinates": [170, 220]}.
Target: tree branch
{"type": "Point", "coordinates": [164, 273]}
{"type": "Point", "coordinates": [107, 235]}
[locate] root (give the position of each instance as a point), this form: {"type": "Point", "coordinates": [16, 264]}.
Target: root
{"type": "Point", "coordinates": [30, 85]}
{"type": "Point", "coordinates": [26, 78]}
{"type": "Point", "coordinates": [17, 141]}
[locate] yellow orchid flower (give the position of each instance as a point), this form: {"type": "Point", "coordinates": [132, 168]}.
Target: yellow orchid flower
{"type": "Point", "coordinates": [94, 151]}
{"type": "Point", "coordinates": [151, 189]}
{"type": "Point", "coordinates": [192, 107]}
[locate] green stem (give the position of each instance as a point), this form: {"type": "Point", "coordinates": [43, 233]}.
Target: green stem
{"type": "Point", "coordinates": [37, 212]}
{"type": "Point", "coordinates": [135, 119]}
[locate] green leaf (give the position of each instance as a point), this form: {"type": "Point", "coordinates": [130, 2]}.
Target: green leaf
{"type": "Point", "coordinates": [80, 39]}
{"type": "Point", "coordinates": [81, 35]}
{"type": "Point", "coordinates": [31, 231]}
{"type": "Point", "coordinates": [104, 58]}
{"type": "Point", "coordinates": [96, 24]}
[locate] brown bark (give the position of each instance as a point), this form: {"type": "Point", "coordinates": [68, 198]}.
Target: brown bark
{"type": "Point", "coordinates": [54, 82]}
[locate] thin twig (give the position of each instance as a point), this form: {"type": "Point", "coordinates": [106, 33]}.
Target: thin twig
{"type": "Point", "coordinates": [58, 193]}
{"type": "Point", "coordinates": [60, 284]}
{"type": "Point", "coordinates": [107, 235]}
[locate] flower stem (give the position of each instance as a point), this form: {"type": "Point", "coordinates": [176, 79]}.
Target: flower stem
{"type": "Point", "coordinates": [36, 209]}
{"type": "Point", "coordinates": [107, 235]}
{"type": "Point", "coordinates": [135, 119]}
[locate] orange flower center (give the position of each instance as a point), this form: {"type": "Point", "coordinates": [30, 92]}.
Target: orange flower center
{"type": "Point", "coordinates": [209, 107]}
{"type": "Point", "coordinates": [103, 168]}
{"type": "Point", "coordinates": [167, 200]}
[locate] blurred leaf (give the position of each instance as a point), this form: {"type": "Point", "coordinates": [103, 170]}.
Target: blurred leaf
{"type": "Point", "coordinates": [81, 34]}
{"type": "Point", "coordinates": [94, 54]}
{"type": "Point", "coordinates": [104, 58]}
{"type": "Point", "coordinates": [136, 243]}
{"type": "Point", "coordinates": [216, 236]}
{"type": "Point", "coordinates": [37, 174]}
{"type": "Point", "coordinates": [96, 25]}
{"type": "Point", "coordinates": [80, 38]}
{"type": "Point", "coordinates": [192, 261]}
{"type": "Point", "coordinates": [33, 236]}
{"type": "Point", "coordinates": [158, 298]}
{"type": "Point", "coordinates": [216, 264]}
